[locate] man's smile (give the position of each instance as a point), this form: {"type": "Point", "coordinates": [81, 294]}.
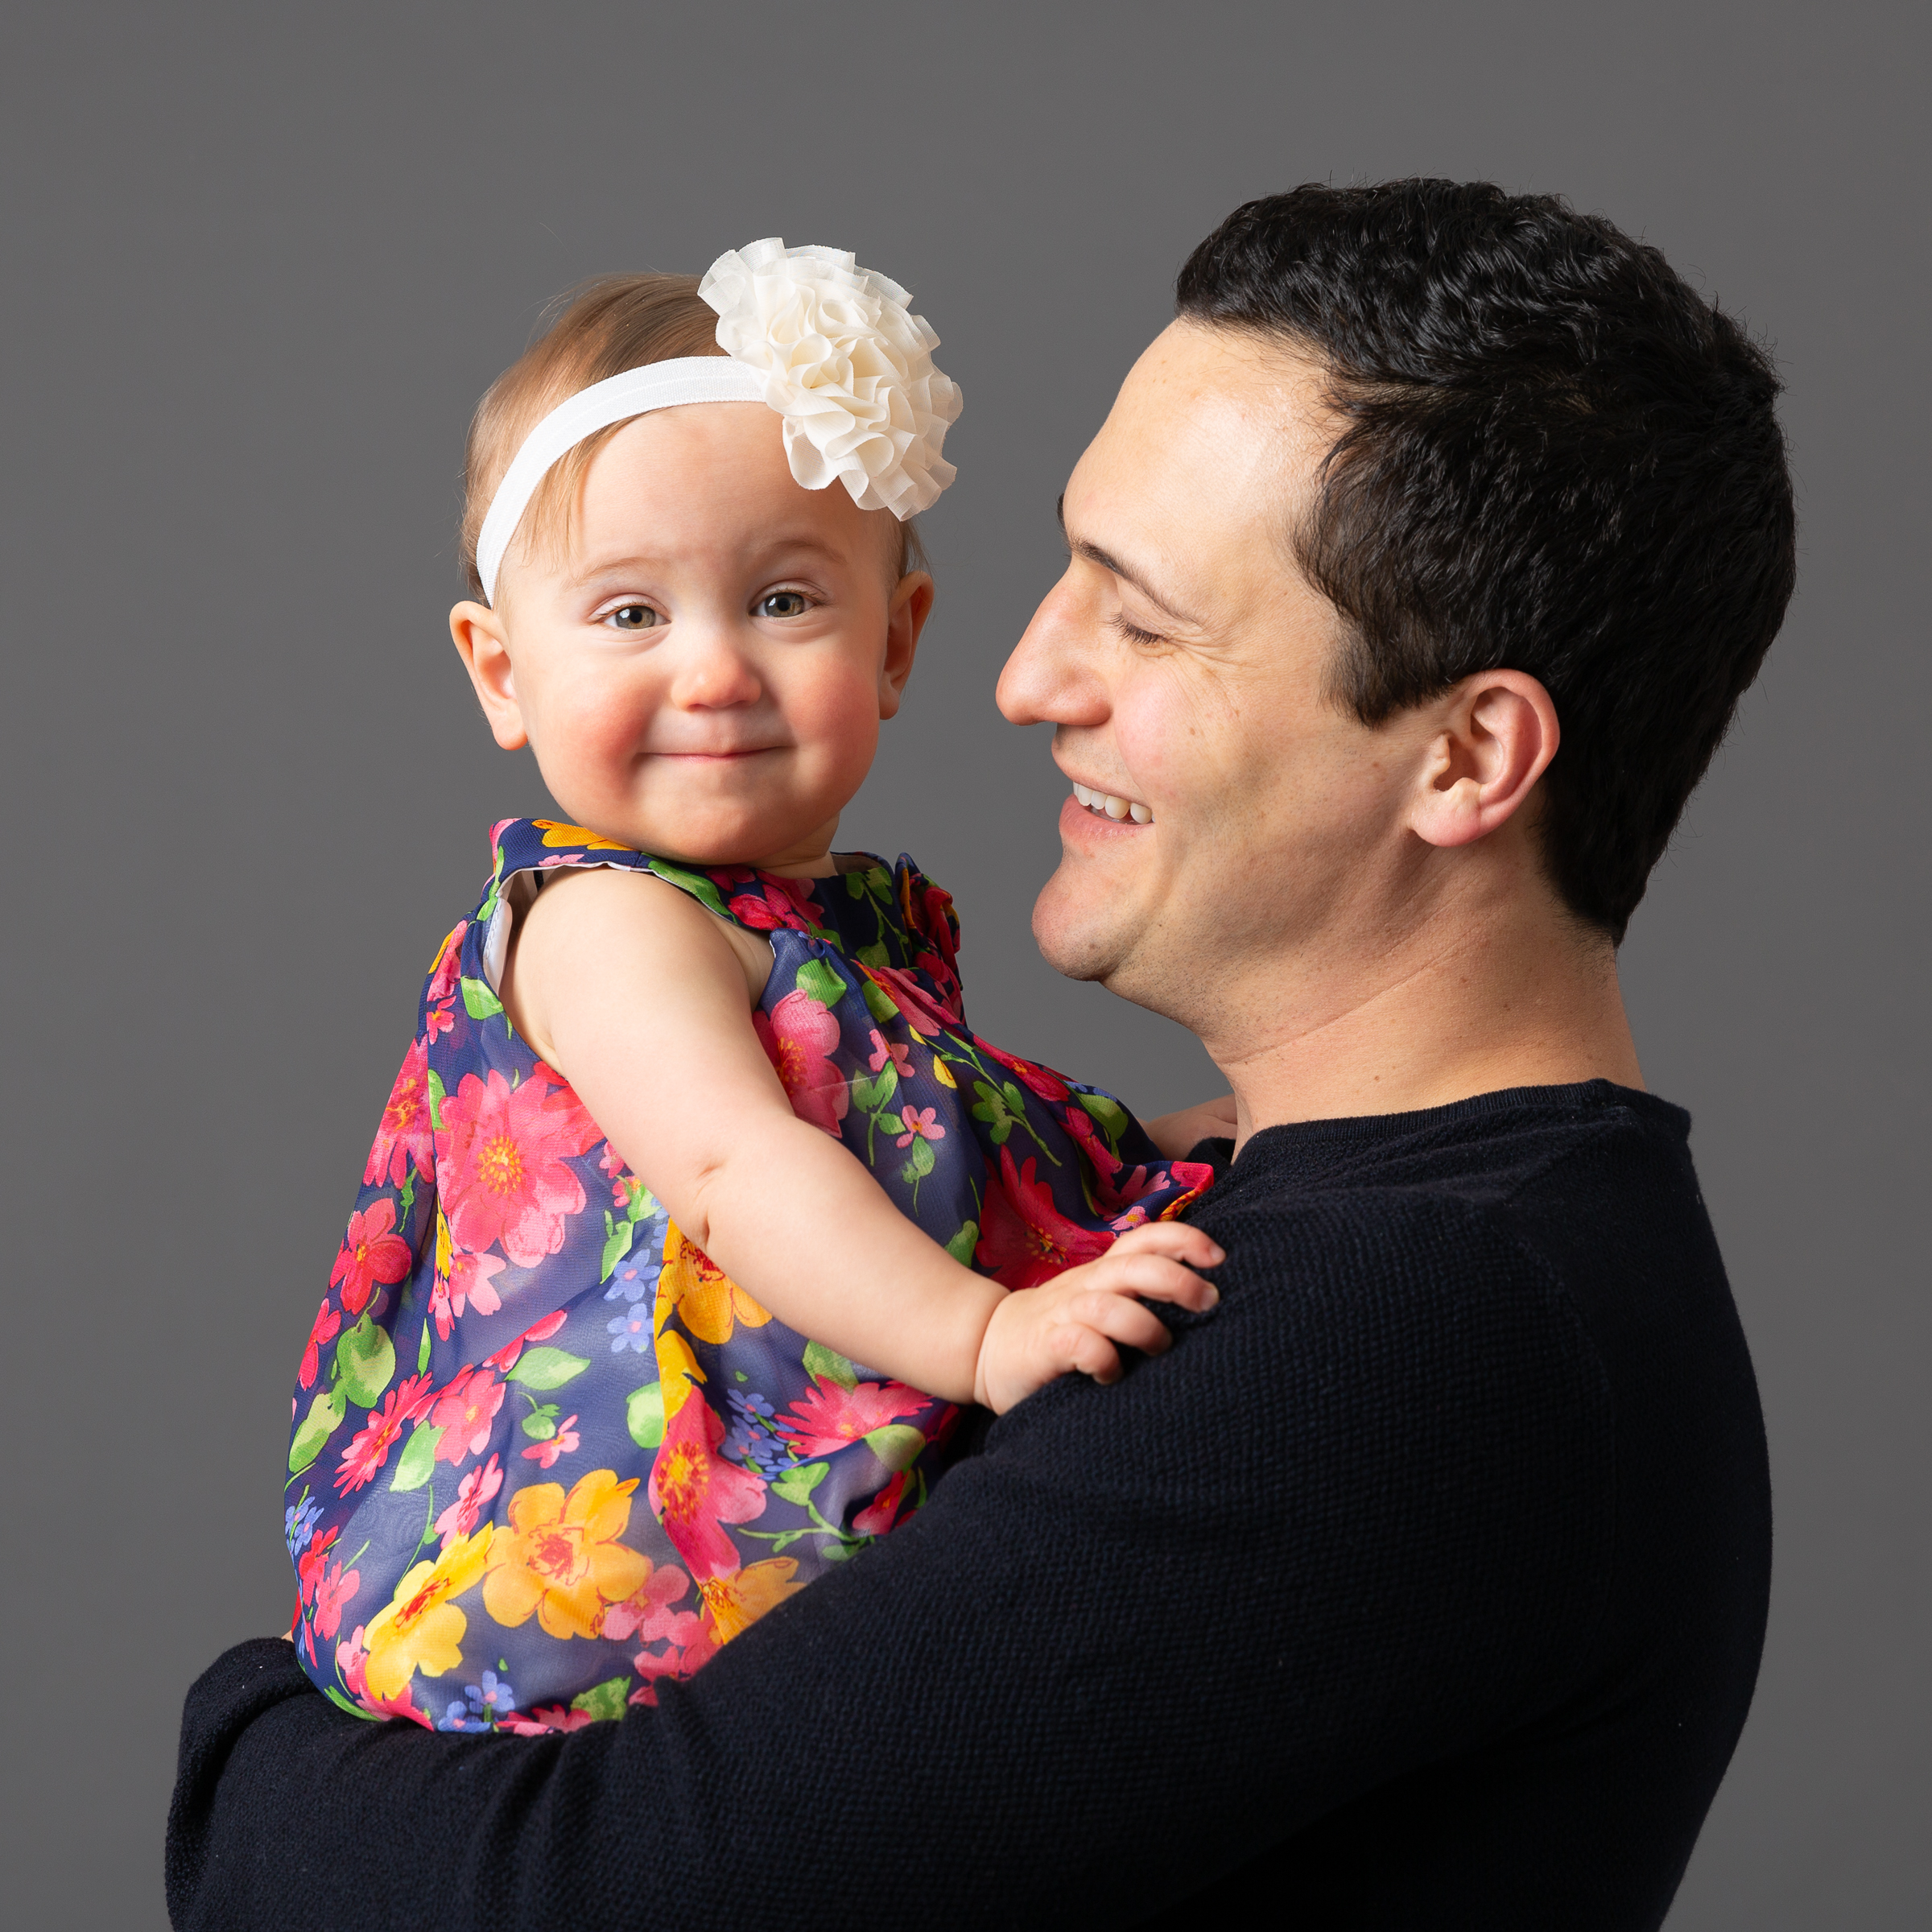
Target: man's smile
{"type": "Point", "coordinates": [1111, 805]}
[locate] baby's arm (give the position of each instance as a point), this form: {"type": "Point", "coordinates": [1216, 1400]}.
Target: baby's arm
{"type": "Point", "coordinates": [643, 1000]}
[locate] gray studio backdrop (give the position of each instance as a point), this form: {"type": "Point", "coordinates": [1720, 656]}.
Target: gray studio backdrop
{"type": "Point", "coordinates": [259, 263]}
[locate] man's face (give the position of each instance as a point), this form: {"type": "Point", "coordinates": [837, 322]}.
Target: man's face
{"type": "Point", "coordinates": [1182, 660]}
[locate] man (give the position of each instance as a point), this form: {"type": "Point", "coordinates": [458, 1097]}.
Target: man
{"type": "Point", "coordinates": [1414, 577]}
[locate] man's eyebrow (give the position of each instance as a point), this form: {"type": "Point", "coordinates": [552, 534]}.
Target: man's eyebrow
{"type": "Point", "coordinates": [1092, 552]}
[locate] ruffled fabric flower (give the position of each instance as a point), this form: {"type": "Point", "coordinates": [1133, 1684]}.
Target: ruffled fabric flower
{"type": "Point", "coordinates": [847, 365]}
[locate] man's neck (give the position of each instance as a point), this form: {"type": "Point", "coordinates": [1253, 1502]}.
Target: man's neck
{"type": "Point", "coordinates": [1469, 1001]}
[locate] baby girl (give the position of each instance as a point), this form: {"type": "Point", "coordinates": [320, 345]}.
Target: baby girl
{"type": "Point", "coordinates": [697, 1210]}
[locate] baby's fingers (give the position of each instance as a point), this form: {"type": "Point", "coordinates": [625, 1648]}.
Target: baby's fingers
{"type": "Point", "coordinates": [1122, 1319]}
{"type": "Point", "coordinates": [1175, 1239]}
{"type": "Point", "coordinates": [1154, 1276]}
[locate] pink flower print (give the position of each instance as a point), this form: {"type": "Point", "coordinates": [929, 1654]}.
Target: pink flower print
{"type": "Point", "coordinates": [546, 1718]}
{"type": "Point", "coordinates": [371, 1252]}
{"type": "Point", "coordinates": [1026, 1238]}
{"type": "Point", "coordinates": [332, 1592]}
{"type": "Point", "coordinates": [1043, 1081]}
{"type": "Point", "coordinates": [884, 1049]}
{"type": "Point", "coordinates": [370, 1449]}
{"type": "Point", "coordinates": [465, 1412]}
{"type": "Point", "coordinates": [877, 1517]}
{"type": "Point", "coordinates": [322, 1330]}
{"type": "Point", "coordinates": [472, 1493]}
{"type": "Point", "coordinates": [1122, 1200]}
{"type": "Point", "coordinates": [798, 1035]}
{"type": "Point", "coordinates": [646, 1615]}
{"type": "Point", "coordinates": [775, 902]}
{"type": "Point", "coordinates": [506, 1358]}
{"type": "Point", "coordinates": [406, 1138]}
{"type": "Point", "coordinates": [448, 966]}
{"type": "Point", "coordinates": [437, 1022]}
{"type": "Point", "coordinates": [920, 1124]}
{"type": "Point", "coordinates": [694, 1490]}
{"type": "Point", "coordinates": [928, 909]}
{"type": "Point", "coordinates": [830, 1418]}
{"type": "Point", "coordinates": [500, 1153]}
{"type": "Point", "coordinates": [923, 1014]}
{"type": "Point", "coordinates": [561, 1444]}
{"type": "Point", "coordinates": [467, 1284]}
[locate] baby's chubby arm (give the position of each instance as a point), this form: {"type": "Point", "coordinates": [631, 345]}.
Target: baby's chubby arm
{"type": "Point", "coordinates": [643, 1000]}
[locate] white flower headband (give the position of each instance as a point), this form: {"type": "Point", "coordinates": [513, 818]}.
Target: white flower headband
{"type": "Point", "coordinates": [833, 348]}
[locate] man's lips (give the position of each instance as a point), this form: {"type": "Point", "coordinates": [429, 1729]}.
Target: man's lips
{"type": "Point", "coordinates": [1090, 831]}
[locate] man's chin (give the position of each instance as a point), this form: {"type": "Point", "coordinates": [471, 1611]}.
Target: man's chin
{"type": "Point", "coordinates": [1078, 929]}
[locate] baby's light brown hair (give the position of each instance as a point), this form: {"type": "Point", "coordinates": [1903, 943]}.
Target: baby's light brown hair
{"type": "Point", "coordinates": [599, 329]}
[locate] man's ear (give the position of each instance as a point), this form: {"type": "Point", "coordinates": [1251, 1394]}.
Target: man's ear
{"type": "Point", "coordinates": [477, 633]}
{"type": "Point", "coordinates": [1496, 733]}
{"type": "Point", "coordinates": [905, 618]}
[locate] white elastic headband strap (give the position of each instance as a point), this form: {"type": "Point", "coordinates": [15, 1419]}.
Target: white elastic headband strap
{"type": "Point", "coordinates": [635, 393]}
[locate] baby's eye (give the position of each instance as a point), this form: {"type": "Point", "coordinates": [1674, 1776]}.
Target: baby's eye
{"type": "Point", "coordinates": [784, 604]}
{"type": "Point", "coordinates": [631, 616]}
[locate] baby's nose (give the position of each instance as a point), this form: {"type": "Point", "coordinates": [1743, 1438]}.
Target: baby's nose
{"type": "Point", "coordinates": [713, 672]}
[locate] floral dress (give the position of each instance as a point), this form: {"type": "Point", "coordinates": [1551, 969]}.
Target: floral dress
{"type": "Point", "coordinates": [543, 1451]}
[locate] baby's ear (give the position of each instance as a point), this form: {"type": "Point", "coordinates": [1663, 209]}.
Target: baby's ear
{"type": "Point", "coordinates": [478, 635]}
{"type": "Point", "coordinates": [906, 617]}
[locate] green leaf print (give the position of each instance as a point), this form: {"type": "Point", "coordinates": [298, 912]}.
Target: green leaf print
{"type": "Point", "coordinates": [540, 1425]}
{"type": "Point", "coordinates": [897, 1445]}
{"type": "Point", "coordinates": [479, 1002]}
{"type": "Point", "coordinates": [701, 887]}
{"type": "Point", "coordinates": [875, 955]}
{"type": "Point", "coordinates": [796, 1485]}
{"type": "Point", "coordinates": [962, 1245]}
{"type": "Point", "coordinates": [546, 1368]}
{"type": "Point", "coordinates": [879, 1001]}
{"type": "Point", "coordinates": [325, 1414]}
{"type": "Point", "coordinates": [604, 1700]}
{"type": "Point", "coordinates": [367, 1359]}
{"type": "Point", "coordinates": [644, 1415]}
{"type": "Point", "coordinates": [872, 1093]}
{"type": "Point", "coordinates": [919, 1163]}
{"type": "Point", "coordinates": [616, 1243]}
{"type": "Point", "coordinates": [829, 1365]}
{"type": "Point", "coordinates": [992, 1109]}
{"type": "Point", "coordinates": [855, 885]}
{"type": "Point", "coordinates": [1108, 1114]}
{"type": "Point", "coordinates": [423, 1348]}
{"type": "Point", "coordinates": [817, 982]}
{"type": "Point", "coordinates": [438, 1094]}
{"type": "Point", "coordinates": [413, 1467]}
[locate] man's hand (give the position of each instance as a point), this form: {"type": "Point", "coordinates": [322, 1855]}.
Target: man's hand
{"type": "Point", "coordinates": [1178, 1134]}
{"type": "Point", "coordinates": [1037, 1335]}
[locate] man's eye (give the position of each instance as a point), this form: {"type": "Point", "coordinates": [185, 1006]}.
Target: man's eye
{"type": "Point", "coordinates": [784, 604]}
{"type": "Point", "coordinates": [632, 617]}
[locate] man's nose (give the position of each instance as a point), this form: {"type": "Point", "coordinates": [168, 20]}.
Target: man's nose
{"type": "Point", "coordinates": [1052, 676]}
{"type": "Point", "coordinates": [714, 671]}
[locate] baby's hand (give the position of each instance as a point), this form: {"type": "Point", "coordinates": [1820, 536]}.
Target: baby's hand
{"type": "Point", "coordinates": [1036, 1335]}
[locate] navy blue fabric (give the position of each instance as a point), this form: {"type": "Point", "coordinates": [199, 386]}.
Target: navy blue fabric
{"type": "Point", "coordinates": [1423, 1583]}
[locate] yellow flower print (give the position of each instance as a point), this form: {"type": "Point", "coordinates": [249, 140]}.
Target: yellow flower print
{"type": "Point", "coordinates": [560, 1556]}
{"type": "Point", "coordinates": [735, 1602]}
{"type": "Point", "coordinates": [709, 1302]}
{"type": "Point", "coordinates": [558, 834]}
{"type": "Point", "coordinates": [419, 1628]}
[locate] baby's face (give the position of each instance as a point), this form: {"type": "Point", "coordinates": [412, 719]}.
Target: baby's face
{"type": "Point", "coordinates": [703, 673]}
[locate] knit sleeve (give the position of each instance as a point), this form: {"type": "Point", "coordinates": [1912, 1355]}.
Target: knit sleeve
{"type": "Point", "coordinates": [1358, 1519]}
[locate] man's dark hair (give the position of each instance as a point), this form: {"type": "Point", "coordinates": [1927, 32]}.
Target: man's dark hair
{"type": "Point", "coordinates": [1560, 459]}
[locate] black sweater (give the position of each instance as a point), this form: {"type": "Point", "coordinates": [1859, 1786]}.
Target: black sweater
{"type": "Point", "coordinates": [1421, 1583]}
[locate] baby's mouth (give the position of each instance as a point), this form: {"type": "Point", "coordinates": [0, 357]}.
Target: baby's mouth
{"type": "Point", "coordinates": [1107, 805]}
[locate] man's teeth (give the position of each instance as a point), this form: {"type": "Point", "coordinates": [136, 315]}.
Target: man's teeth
{"type": "Point", "coordinates": [1103, 804]}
